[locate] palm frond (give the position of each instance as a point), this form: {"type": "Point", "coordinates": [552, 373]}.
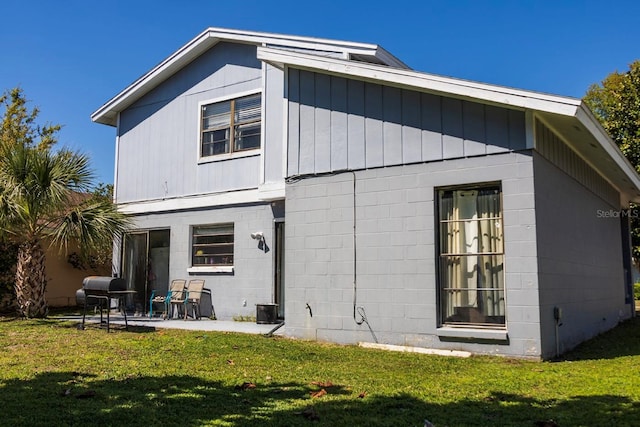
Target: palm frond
{"type": "Point", "coordinates": [91, 224]}
{"type": "Point", "coordinates": [40, 183]}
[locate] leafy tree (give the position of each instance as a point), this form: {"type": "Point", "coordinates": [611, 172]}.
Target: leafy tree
{"type": "Point", "coordinates": [19, 124]}
{"type": "Point", "coordinates": [616, 103]}
{"type": "Point", "coordinates": [39, 203]}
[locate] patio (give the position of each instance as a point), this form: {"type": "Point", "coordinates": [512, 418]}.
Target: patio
{"type": "Point", "coordinates": [204, 324]}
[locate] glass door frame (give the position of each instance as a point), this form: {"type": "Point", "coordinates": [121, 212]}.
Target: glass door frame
{"type": "Point", "coordinates": [139, 280]}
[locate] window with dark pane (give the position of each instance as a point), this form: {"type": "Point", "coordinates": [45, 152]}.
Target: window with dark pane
{"type": "Point", "coordinates": [212, 245]}
{"type": "Point", "coordinates": [471, 256]}
{"type": "Point", "coordinates": [231, 126]}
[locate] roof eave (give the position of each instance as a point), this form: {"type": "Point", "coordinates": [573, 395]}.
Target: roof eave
{"type": "Point", "coordinates": [478, 92]}
{"type": "Point", "coordinates": [107, 113]}
{"type": "Point", "coordinates": [589, 121]}
{"type": "Point", "coordinates": [421, 81]}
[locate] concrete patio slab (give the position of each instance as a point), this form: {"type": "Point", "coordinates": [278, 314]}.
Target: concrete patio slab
{"type": "Point", "coordinates": [117, 320]}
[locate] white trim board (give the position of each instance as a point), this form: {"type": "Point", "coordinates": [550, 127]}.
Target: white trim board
{"type": "Point", "coordinates": [190, 202]}
{"type": "Point", "coordinates": [263, 194]}
{"type": "Point", "coordinates": [427, 82]}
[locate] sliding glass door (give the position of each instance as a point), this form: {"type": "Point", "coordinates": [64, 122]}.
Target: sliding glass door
{"type": "Point", "coordinates": [145, 266]}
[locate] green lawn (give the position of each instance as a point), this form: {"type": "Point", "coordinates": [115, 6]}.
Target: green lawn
{"type": "Point", "coordinates": [54, 374]}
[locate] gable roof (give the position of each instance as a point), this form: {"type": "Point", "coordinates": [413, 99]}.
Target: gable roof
{"type": "Point", "coordinates": [569, 117]}
{"type": "Point", "coordinates": [108, 113]}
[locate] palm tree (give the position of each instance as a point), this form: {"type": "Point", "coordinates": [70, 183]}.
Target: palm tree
{"type": "Point", "coordinates": [39, 207]}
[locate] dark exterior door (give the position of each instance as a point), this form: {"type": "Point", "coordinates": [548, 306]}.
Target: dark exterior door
{"type": "Point", "coordinates": [279, 268]}
{"type": "Point", "coordinates": [145, 266]}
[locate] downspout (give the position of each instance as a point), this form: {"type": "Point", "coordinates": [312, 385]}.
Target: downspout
{"type": "Point", "coordinates": [357, 310]}
{"type": "Point", "coordinates": [355, 251]}
{"type": "Point", "coordinates": [115, 166]}
{"type": "Point", "coordinates": [557, 317]}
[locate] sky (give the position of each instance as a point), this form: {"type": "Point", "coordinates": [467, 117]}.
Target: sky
{"type": "Point", "coordinates": [72, 56]}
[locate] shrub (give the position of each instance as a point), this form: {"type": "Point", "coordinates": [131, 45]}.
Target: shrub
{"type": "Point", "coordinates": [636, 290]}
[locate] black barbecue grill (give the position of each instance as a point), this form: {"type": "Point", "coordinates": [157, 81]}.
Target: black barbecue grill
{"type": "Point", "coordinates": [97, 290]}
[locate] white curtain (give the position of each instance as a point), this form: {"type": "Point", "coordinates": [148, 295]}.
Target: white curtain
{"type": "Point", "coordinates": [471, 256]}
{"type": "Point", "coordinates": [491, 243]}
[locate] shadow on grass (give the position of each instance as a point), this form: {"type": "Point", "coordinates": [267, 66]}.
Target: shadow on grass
{"type": "Point", "coordinates": [114, 327]}
{"type": "Point", "coordinates": [72, 323]}
{"type": "Point", "coordinates": [74, 398]}
{"type": "Point", "coordinates": [621, 341]}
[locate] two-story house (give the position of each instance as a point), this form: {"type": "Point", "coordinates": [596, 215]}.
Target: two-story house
{"type": "Point", "coordinates": [370, 201]}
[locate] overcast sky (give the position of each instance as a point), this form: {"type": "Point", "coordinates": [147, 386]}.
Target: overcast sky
{"type": "Point", "coordinates": [70, 57]}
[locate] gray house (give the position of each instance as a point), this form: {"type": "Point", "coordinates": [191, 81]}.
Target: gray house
{"type": "Point", "coordinates": [370, 201]}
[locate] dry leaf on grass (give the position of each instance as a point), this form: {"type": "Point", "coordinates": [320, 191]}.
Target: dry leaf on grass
{"type": "Point", "coordinates": [319, 393]}
{"type": "Point", "coordinates": [230, 362]}
{"type": "Point", "coordinates": [362, 395]}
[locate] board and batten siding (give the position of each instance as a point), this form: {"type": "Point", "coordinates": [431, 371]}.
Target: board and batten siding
{"type": "Point", "coordinates": [337, 123]}
{"type": "Point", "coordinates": [158, 135]}
{"type": "Point", "coordinates": [553, 148]}
{"type": "Point", "coordinates": [273, 124]}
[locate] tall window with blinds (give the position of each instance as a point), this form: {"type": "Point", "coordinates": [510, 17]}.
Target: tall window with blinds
{"type": "Point", "coordinates": [212, 245]}
{"type": "Point", "coordinates": [230, 126]}
{"type": "Point", "coordinates": [471, 256]}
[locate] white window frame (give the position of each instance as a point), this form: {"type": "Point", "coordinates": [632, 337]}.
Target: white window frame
{"type": "Point", "coordinates": [231, 154]}
{"type": "Point", "coordinates": [212, 268]}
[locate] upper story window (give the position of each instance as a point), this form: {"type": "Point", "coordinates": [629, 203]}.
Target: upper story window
{"type": "Point", "coordinates": [230, 126]}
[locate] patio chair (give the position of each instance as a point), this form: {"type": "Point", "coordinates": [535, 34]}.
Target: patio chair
{"type": "Point", "coordinates": [159, 299]}
{"type": "Point", "coordinates": [176, 285]}
{"type": "Point", "coordinates": [176, 296]}
{"type": "Point", "coordinates": [194, 292]}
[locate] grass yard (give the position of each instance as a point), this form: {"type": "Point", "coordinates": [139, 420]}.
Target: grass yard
{"type": "Point", "coordinates": [54, 374]}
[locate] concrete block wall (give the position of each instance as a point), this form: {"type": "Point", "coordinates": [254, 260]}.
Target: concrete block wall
{"type": "Point", "coordinates": [580, 259]}
{"type": "Point", "coordinates": [252, 280]}
{"type": "Point", "coordinates": [396, 254]}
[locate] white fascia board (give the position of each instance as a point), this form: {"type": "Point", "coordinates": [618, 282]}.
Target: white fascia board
{"type": "Point", "coordinates": [204, 41]}
{"type": "Point", "coordinates": [388, 58]}
{"type": "Point", "coordinates": [191, 202]}
{"type": "Point", "coordinates": [271, 191]}
{"type": "Point", "coordinates": [588, 120]}
{"type": "Point", "coordinates": [500, 95]}
{"type": "Point", "coordinates": [152, 78]}
{"type": "Point", "coordinates": [301, 42]}
{"type": "Point", "coordinates": [289, 40]}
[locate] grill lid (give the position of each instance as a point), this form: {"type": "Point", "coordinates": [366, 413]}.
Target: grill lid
{"type": "Point", "coordinates": [105, 284]}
